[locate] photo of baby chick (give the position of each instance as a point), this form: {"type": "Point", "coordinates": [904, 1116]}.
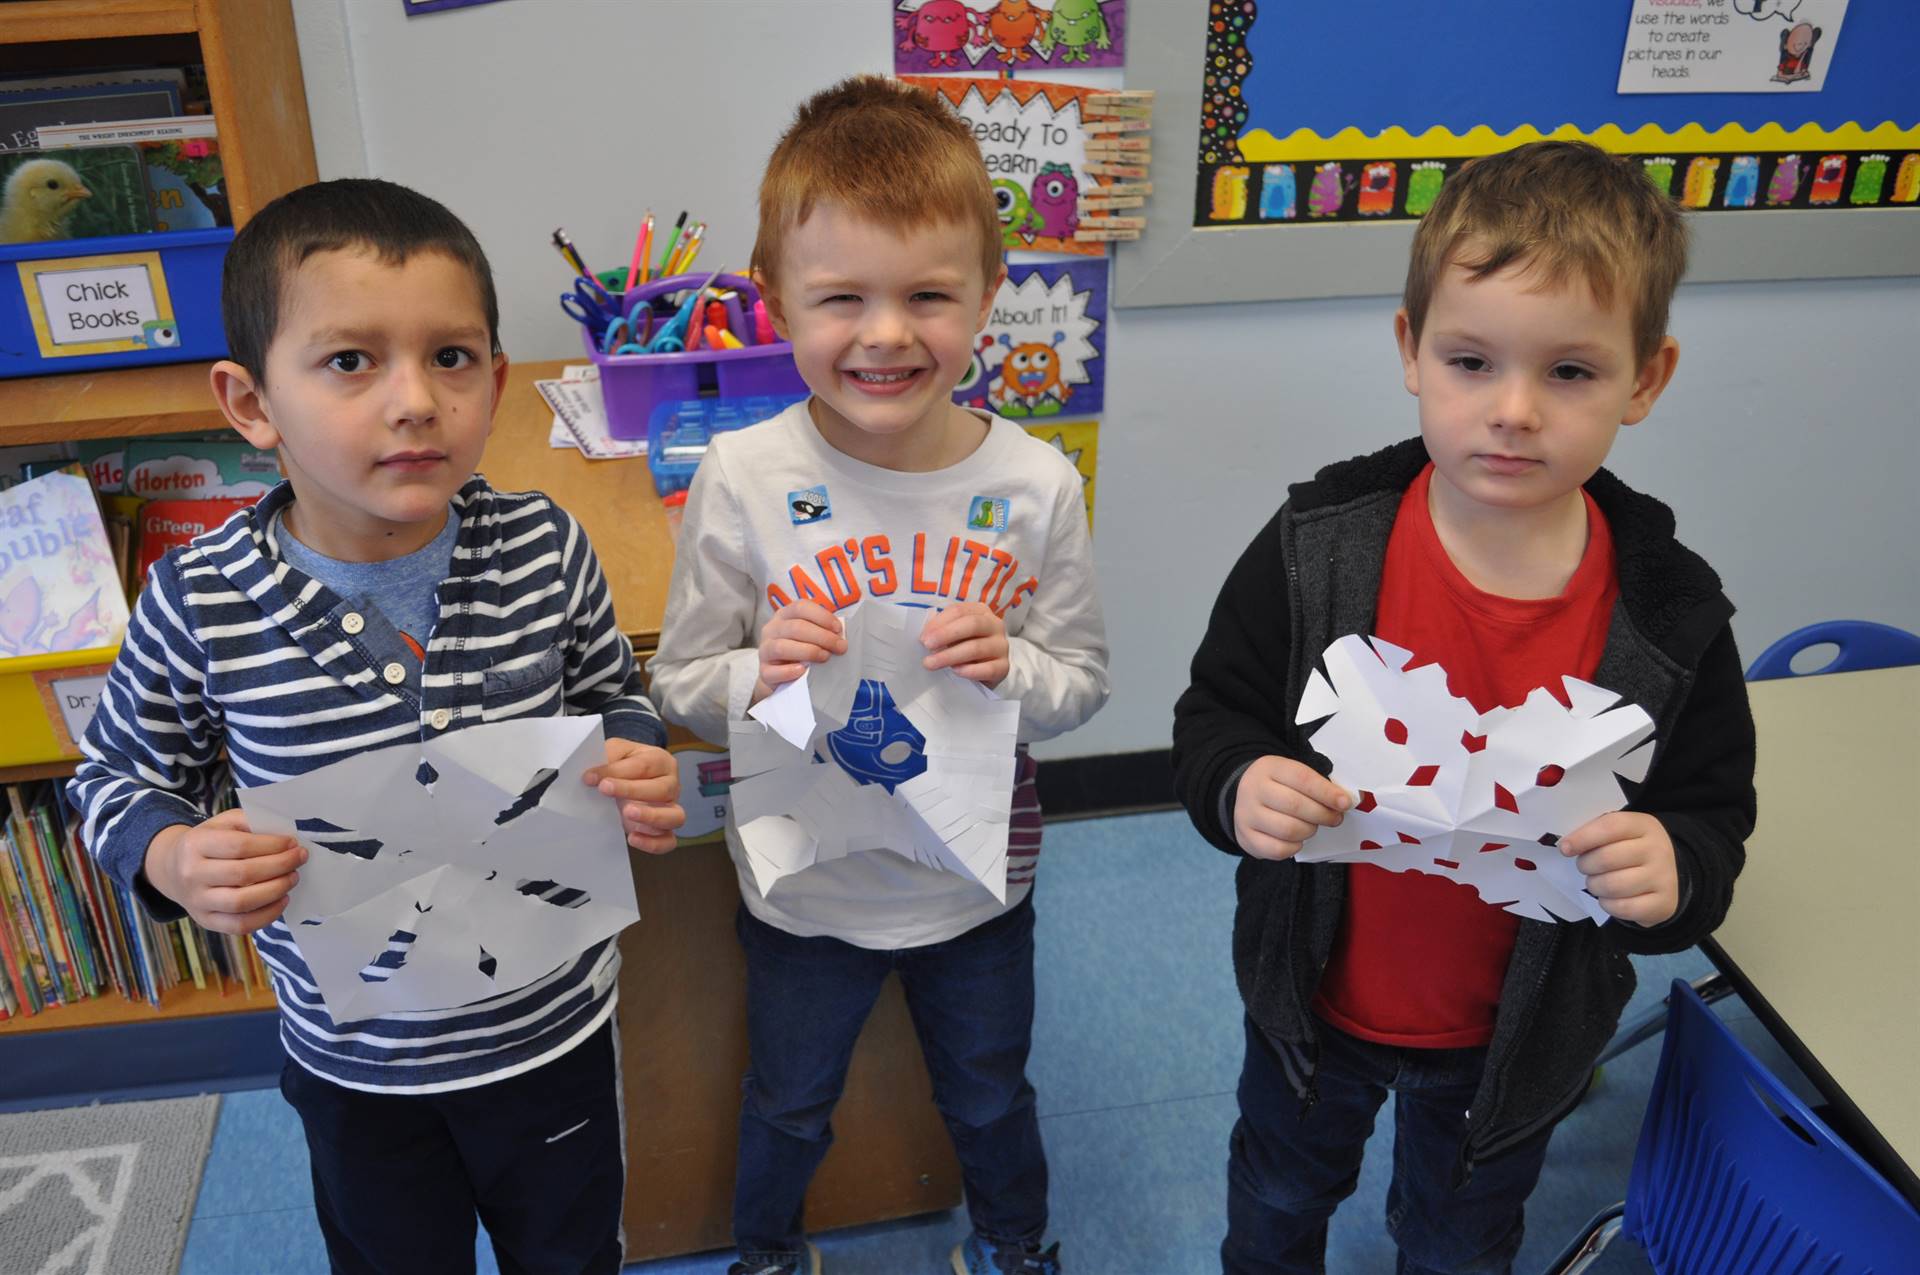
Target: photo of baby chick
{"type": "Point", "coordinates": [41, 197]}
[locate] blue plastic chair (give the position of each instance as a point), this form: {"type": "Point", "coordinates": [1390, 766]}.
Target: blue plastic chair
{"type": "Point", "coordinates": [1863, 645]}
{"type": "Point", "coordinates": [1734, 1174]}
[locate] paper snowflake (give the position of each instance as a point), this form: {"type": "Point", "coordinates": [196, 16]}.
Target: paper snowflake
{"type": "Point", "coordinates": [872, 751]}
{"type": "Point", "coordinates": [1482, 799]}
{"type": "Point", "coordinates": [445, 873]}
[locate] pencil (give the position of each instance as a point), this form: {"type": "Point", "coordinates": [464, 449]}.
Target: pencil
{"type": "Point", "coordinates": [634, 274]}
{"type": "Point", "coordinates": [673, 241]}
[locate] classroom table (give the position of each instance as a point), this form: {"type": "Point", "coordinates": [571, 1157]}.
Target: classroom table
{"type": "Point", "coordinates": [1821, 940]}
{"type": "Point", "coordinates": [682, 1030]}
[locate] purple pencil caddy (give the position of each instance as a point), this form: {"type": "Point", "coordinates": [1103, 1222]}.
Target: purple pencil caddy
{"type": "Point", "coordinates": [633, 384]}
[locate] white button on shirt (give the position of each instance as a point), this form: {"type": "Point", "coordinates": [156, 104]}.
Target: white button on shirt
{"type": "Point", "coordinates": [441, 719]}
{"type": "Point", "coordinates": [353, 622]}
{"type": "Point", "coordinates": [394, 673]}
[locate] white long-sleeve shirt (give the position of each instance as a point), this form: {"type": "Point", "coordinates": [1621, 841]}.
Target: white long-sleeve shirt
{"type": "Point", "coordinates": [777, 514]}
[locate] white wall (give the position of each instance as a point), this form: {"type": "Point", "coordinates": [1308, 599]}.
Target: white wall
{"type": "Point", "coordinates": [1789, 443]}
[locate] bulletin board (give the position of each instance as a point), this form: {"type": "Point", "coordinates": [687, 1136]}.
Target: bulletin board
{"type": "Point", "coordinates": [1296, 144]}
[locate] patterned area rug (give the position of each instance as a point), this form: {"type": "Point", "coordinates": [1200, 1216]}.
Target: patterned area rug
{"type": "Point", "coordinates": [101, 1190]}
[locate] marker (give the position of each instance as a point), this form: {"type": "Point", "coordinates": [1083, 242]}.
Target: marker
{"type": "Point", "coordinates": [763, 333]}
{"type": "Point", "coordinates": [673, 240]}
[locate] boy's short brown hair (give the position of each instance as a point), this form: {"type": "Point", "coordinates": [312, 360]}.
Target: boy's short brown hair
{"type": "Point", "coordinates": [1565, 210]}
{"type": "Point", "coordinates": [885, 151]}
{"type": "Point", "coordinates": [381, 217]}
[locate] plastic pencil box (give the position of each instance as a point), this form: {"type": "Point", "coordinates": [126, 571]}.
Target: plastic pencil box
{"type": "Point", "coordinates": [46, 702]}
{"type": "Point", "coordinates": [76, 305]}
{"type": "Point", "coordinates": [633, 385]}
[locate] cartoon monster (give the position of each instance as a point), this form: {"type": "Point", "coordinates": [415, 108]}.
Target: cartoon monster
{"type": "Point", "coordinates": [1702, 172]}
{"type": "Point", "coordinates": [1796, 54]}
{"type": "Point", "coordinates": [1018, 222]}
{"type": "Point", "coordinates": [1423, 186]}
{"type": "Point", "coordinates": [941, 27]}
{"type": "Point", "coordinates": [1906, 183]}
{"type": "Point", "coordinates": [1785, 185]}
{"type": "Point", "coordinates": [1329, 190]}
{"type": "Point", "coordinates": [1075, 25]}
{"type": "Point", "coordinates": [1012, 27]}
{"type": "Point", "coordinates": [1869, 180]}
{"type": "Point", "coordinates": [1743, 182]}
{"type": "Point", "coordinates": [1828, 177]}
{"type": "Point", "coordinates": [972, 389]}
{"type": "Point", "coordinates": [1277, 193]}
{"type": "Point", "coordinates": [1056, 201]}
{"type": "Point", "coordinates": [1230, 192]}
{"type": "Point", "coordinates": [1659, 169]}
{"type": "Point", "coordinates": [1377, 184]}
{"type": "Point", "coordinates": [1029, 383]}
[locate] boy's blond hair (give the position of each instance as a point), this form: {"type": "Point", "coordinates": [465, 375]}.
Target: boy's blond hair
{"type": "Point", "coordinates": [887, 152]}
{"type": "Point", "coordinates": [1565, 210]}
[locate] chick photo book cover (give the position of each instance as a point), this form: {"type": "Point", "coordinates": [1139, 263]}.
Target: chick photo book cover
{"type": "Point", "coordinates": [79, 193]}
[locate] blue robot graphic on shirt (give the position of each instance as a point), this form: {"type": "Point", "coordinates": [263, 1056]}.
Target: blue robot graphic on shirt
{"type": "Point", "coordinates": [878, 745]}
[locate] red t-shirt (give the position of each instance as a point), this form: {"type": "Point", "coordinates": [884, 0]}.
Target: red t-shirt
{"type": "Point", "coordinates": [1420, 960]}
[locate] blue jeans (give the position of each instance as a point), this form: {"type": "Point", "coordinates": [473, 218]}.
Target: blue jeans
{"type": "Point", "coordinates": [971, 999]}
{"type": "Point", "coordinates": [1291, 1163]}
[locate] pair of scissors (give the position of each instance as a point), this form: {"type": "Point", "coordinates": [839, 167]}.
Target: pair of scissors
{"type": "Point", "coordinates": [628, 335]}
{"type": "Point", "coordinates": [589, 303]}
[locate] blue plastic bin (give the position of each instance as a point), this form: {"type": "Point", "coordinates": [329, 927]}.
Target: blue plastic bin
{"type": "Point", "coordinates": [73, 305]}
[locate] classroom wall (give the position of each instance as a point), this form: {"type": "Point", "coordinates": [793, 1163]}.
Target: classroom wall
{"type": "Point", "coordinates": [1788, 443]}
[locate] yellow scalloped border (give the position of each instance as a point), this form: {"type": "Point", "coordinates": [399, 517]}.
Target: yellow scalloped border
{"type": "Point", "coordinates": [1260, 146]}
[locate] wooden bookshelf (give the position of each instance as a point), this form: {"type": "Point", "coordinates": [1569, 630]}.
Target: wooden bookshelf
{"type": "Point", "coordinates": [47, 21]}
{"type": "Point", "coordinates": [39, 770]}
{"type": "Point", "coordinates": [171, 398]}
{"type": "Point", "coordinates": [184, 1001]}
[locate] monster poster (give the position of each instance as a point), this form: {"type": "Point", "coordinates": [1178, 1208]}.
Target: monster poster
{"type": "Point", "coordinates": [1043, 352]}
{"type": "Point", "coordinates": [1011, 35]}
{"type": "Point", "coordinates": [1298, 127]}
{"type": "Point", "coordinates": [1034, 141]}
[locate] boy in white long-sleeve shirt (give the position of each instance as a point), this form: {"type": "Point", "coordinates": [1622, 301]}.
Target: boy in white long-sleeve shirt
{"type": "Point", "coordinates": [879, 257]}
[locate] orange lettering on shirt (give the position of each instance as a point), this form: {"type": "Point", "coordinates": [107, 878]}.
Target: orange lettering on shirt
{"type": "Point", "coordinates": [946, 569]}
{"type": "Point", "coordinates": [1004, 567]}
{"type": "Point", "coordinates": [804, 586]}
{"type": "Point", "coordinates": [974, 551]}
{"type": "Point", "coordinates": [875, 553]}
{"type": "Point", "coordinates": [1027, 586]}
{"type": "Point", "coordinates": [777, 597]}
{"type": "Point", "coordinates": [837, 570]}
{"type": "Point", "coordinates": [920, 582]}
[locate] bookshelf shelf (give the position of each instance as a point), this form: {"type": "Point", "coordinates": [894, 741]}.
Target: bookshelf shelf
{"type": "Point", "coordinates": [184, 1001]}
{"type": "Point", "coordinates": [171, 398]}
{"type": "Point", "coordinates": [45, 21]}
{"type": "Point", "coordinates": [39, 770]}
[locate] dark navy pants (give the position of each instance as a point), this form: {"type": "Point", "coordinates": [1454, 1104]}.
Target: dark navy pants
{"type": "Point", "coordinates": [971, 999]}
{"type": "Point", "coordinates": [1291, 1163]}
{"type": "Point", "coordinates": [399, 1179]}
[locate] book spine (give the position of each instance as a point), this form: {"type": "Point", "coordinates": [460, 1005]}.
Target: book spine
{"type": "Point", "coordinates": [19, 968]}
{"type": "Point", "coordinates": [47, 911]}
{"type": "Point", "coordinates": [38, 965]}
{"type": "Point", "coordinates": [77, 933]}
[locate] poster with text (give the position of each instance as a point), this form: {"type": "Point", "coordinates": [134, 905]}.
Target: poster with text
{"type": "Point", "coordinates": [1012, 35]}
{"type": "Point", "coordinates": [1730, 46]}
{"type": "Point", "coordinates": [1035, 144]}
{"type": "Point", "coordinates": [1043, 352]}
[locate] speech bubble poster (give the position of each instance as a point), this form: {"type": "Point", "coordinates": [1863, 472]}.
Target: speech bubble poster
{"type": "Point", "coordinates": [1034, 140]}
{"type": "Point", "coordinates": [1012, 35]}
{"type": "Point", "coordinates": [1043, 351]}
{"type": "Point", "coordinates": [1730, 46]}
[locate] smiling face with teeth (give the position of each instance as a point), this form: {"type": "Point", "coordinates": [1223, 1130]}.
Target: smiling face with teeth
{"type": "Point", "coordinates": [882, 323]}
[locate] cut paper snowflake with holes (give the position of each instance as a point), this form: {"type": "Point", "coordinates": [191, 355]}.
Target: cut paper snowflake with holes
{"type": "Point", "coordinates": [872, 751]}
{"type": "Point", "coordinates": [444, 873]}
{"type": "Point", "coordinates": [1479, 798]}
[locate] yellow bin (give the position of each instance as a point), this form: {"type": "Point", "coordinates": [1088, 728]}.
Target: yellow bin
{"type": "Point", "coordinates": [46, 702]}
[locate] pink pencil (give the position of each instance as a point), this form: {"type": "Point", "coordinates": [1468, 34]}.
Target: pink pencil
{"type": "Point", "coordinates": [635, 270]}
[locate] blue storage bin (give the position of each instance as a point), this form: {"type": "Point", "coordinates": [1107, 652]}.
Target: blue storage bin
{"type": "Point", "coordinates": [679, 430]}
{"type": "Point", "coordinates": [72, 305]}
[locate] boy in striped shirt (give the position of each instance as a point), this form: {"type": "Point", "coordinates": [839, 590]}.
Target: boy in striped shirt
{"type": "Point", "coordinates": [383, 593]}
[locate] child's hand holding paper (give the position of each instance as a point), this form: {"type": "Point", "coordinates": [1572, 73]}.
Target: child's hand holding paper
{"type": "Point", "coordinates": [1628, 861]}
{"type": "Point", "coordinates": [1280, 803]}
{"type": "Point", "coordinates": [646, 783]}
{"type": "Point", "coordinates": [800, 635]}
{"type": "Point", "coordinates": [230, 879]}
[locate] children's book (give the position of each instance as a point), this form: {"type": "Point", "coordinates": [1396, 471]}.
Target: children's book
{"type": "Point", "coordinates": [165, 524]}
{"type": "Point", "coordinates": [59, 589]}
{"type": "Point", "coordinates": [163, 469]}
{"type": "Point", "coordinates": [73, 193]}
{"type": "Point", "coordinates": [23, 111]}
{"type": "Point", "coordinates": [186, 186]}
